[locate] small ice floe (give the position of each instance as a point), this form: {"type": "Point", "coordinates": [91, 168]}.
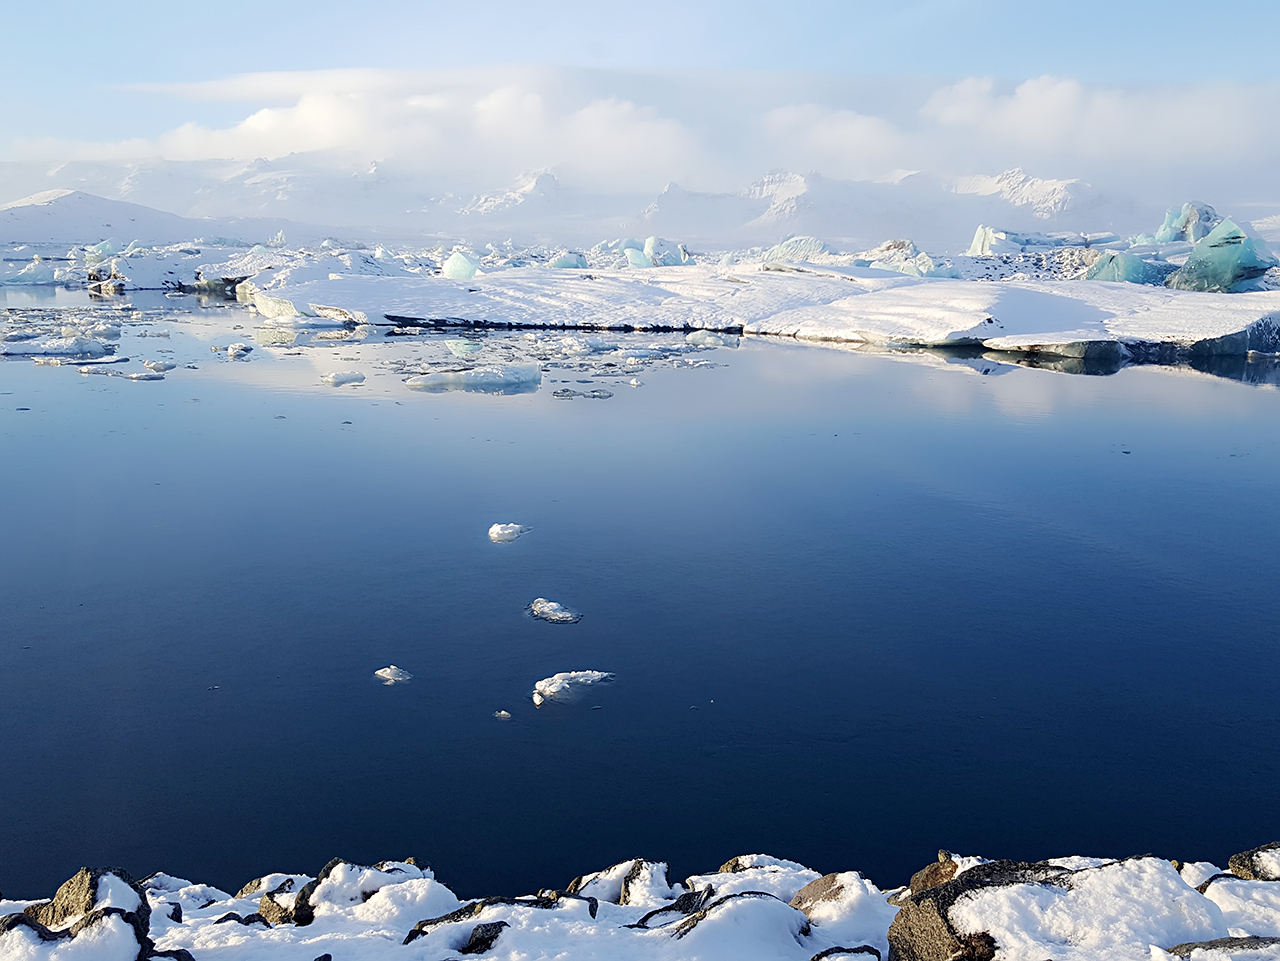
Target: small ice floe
{"type": "Point", "coordinates": [502, 715]}
{"type": "Point", "coordinates": [506, 533]}
{"type": "Point", "coordinates": [341, 377]}
{"type": "Point", "coordinates": [159, 366]}
{"type": "Point", "coordinates": [392, 675]}
{"type": "Point", "coordinates": [567, 685]}
{"type": "Point", "coordinates": [553, 611]}
{"type": "Point", "coordinates": [237, 351]}
{"type": "Point", "coordinates": [144, 375]}
{"type": "Point", "coordinates": [635, 382]}
{"type": "Point", "coordinates": [463, 348]}
{"type": "Point", "coordinates": [709, 338]}
{"type": "Point", "coordinates": [503, 379]}
{"type": "Point", "coordinates": [564, 393]}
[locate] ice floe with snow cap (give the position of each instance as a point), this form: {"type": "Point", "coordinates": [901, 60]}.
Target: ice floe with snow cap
{"type": "Point", "coordinates": [341, 377]}
{"type": "Point", "coordinates": [506, 533]}
{"type": "Point", "coordinates": [567, 685]}
{"type": "Point", "coordinates": [553, 611]}
{"type": "Point", "coordinates": [393, 675]}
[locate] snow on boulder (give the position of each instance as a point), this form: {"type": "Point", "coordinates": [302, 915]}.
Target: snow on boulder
{"type": "Point", "coordinates": [341, 884]}
{"type": "Point", "coordinates": [757, 872]}
{"type": "Point", "coordinates": [1248, 906]}
{"type": "Point", "coordinates": [848, 909]}
{"type": "Point", "coordinates": [750, 924]}
{"type": "Point", "coordinates": [1259, 864]}
{"type": "Point", "coordinates": [1120, 910]}
{"type": "Point", "coordinates": [103, 910]}
{"type": "Point", "coordinates": [635, 882]}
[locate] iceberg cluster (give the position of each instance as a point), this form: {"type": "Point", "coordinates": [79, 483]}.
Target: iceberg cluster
{"type": "Point", "coordinates": [755, 906]}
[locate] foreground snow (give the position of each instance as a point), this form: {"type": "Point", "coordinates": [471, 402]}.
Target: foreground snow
{"type": "Point", "coordinates": [758, 907]}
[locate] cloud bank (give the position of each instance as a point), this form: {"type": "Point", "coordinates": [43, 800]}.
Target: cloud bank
{"type": "Point", "coordinates": [633, 132]}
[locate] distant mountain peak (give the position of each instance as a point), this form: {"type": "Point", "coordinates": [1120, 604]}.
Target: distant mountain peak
{"type": "Point", "coordinates": [533, 185]}
{"type": "Point", "coordinates": [1046, 198]}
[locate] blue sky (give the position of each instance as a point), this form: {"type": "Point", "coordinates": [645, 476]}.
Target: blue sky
{"type": "Point", "coordinates": [720, 90]}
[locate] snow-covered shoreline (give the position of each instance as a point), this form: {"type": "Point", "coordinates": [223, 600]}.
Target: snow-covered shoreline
{"type": "Point", "coordinates": [1142, 908]}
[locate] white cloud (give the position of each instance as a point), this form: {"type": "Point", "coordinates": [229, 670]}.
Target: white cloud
{"type": "Point", "coordinates": [629, 131]}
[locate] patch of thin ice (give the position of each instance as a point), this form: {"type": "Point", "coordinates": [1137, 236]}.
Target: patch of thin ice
{"type": "Point", "coordinates": [567, 685]}
{"type": "Point", "coordinates": [553, 611]}
{"type": "Point", "coordinates": [393, 675]}
{"type": "Point", "coordinates": [506, 533]}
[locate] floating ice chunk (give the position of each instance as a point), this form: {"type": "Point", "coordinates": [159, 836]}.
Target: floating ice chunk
{"type": "Point", "coordinates": [506, 533]}
{"type": "Point", "coordinates": [159, 366]}
{"type": "Point", "coordinates": [707, 338]}
{"type": "Point", "coordinates": [274, 306]}
{"type": "Point", "coordinates": [340, 377]}
{"type": "Point", "coordinates": [637, 258]}
{"type": "Point", "coordinates": [237, 351]}
{"type": "Point", "coordinates": [505, 379]}
{"type": "Point", "coordinates": [1192, 222]}
{"type": "Point", "coordinates": [502, 715]}
{"type": "Point", "coordinates": [569, 261]}
{"type": "Point", "coordinates": [1226, 259]}
{"type": "Point", "coordinates": [554, 612]}
{"type": "Point", "coordinates": [144, 375]}
{"type": "Point", "coordinates": [567, 685]}
{"type": "Point", "coordinates": [73, 346]}
{"type": "Point", "coordinates": [635, 382]}
{"type": "Point", "coordinates": [459, 266]}
{"type": "Point", "coordinates": [1121, 267]}
{"type": "Point", "coordinates": [565, 393]}
{"type": "Point", "coordinates": [392, 675]}
{"type": "Point", "coordinates": [464, 348]}
{"type": "Point", "coordinates": [96, 369]}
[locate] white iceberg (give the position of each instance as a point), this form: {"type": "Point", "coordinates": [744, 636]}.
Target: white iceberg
{"type": "Point", "coordinates": [553, 611]}
{"type": "Point", "coordinates": [707, 338]}
{"type": "Point", "coordinates": [341, 377]}
{"type": "Point", "coordinates": [503, 379]}
{"type": "Point", "coordinates": [567, 685]}
{"type": "Point", "coordinates": [393, 675]}
{"type": "Point", "coordinates": [506, 533]}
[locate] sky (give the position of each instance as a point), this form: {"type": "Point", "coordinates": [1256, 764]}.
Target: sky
{"type": "Point", "coordinates": [630, 96]}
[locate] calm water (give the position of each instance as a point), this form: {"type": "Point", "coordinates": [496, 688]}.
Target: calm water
{"type": "Point", "coordinates": [858, 608]}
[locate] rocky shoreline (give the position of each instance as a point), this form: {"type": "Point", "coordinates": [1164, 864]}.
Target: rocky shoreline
{"type": "Point", "coordinates": [754, 906]}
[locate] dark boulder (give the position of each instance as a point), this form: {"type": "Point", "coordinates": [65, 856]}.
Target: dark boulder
{"type": "Point", "coordinates": [1224, 945]}
{"type": "Point", "coordinates": [939, 872]}
{"type": "Point", "coordinates": [254, 918]}
{"type": "Point", "coordinates": [77, 897]}
{"type": "Point", "coordinates": [836, 953]}
{"type": "Point", "coordinates": [483, 937]}
{"type": "Point", "coordinates": [1250, 866]}
{"type": "Point", "coordinates": [11, 922]}
{"type": "Point", "coordinates": [175, 954]}
{"type": "Point", "coordinates": [688, 903]}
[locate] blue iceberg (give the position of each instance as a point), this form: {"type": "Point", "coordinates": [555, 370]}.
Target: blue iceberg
{"type": "Point", "coordinates": [1126, 268]}
{"type": "Point", "coordinates": [1227, 259]}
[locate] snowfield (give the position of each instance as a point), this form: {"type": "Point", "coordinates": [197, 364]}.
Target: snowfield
{"type": "Point", "coordinates": [1134, 909]}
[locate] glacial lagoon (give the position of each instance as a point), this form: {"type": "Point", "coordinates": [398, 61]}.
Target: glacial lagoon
{"type": "Point", "coordinates": [855, 605]}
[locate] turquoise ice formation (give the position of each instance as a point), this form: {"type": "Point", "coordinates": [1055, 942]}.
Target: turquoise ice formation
{"type": "Point", "coordinates": [1193, 222]}
{"type": "Point", "coordinates": [1126, 268]}
{"type": "Point", "coordinates": [1226, 259]}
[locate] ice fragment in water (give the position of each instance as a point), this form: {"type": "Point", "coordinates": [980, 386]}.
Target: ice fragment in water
{"type": "Point", "coordinates": [236, 351]}
{"type": "Point", "coordinates": [506, 379]}
{"type": "Point", "coordinates": [464, 348]}
{"type": "Point", "coordinates": [1226, 259]}
{"type": "Point", "coordinates": [506, 533]}
{"type": "Point", "coordinates": [564, 393]}
{"type": "Point", "coordinates": [144, 375]}
{"type": "Point", "coordinates": [1192, 222]}
{"type": "Point", "coordinates": [567, 685]}
{"type": "Point", "coordinates": [459, 266]}
{"type": "Point", "coordinates": [392, 675]}
{"type": "Point", "coordinates": [502, 715]}
{"type": "Point", "coordinates": [708, 338]}
{"type": "Point", "coordinates": [340, 377]}
{"type": "Point", "coordinates": [553, 611]}
{"type": "Point", "coordinates": [1126, 268]}
{"type": "Point", "coordinates": [159, 366]}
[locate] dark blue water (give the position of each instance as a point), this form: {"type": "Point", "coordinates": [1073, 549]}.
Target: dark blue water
{"type": "Point", "coordinates": [858, 608]}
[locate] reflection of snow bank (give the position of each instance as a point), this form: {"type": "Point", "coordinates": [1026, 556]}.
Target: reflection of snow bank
{"type": "Point", "coordinates": [393, 675]}
{"type": "Point", "coordinates": [566, 685]}
{"type": "Point", "coordinates": [506, 533]}
{"type": "Point", "coordinates": [508, 379]}
{"type": "Point", "coordinates": [553, 611]}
